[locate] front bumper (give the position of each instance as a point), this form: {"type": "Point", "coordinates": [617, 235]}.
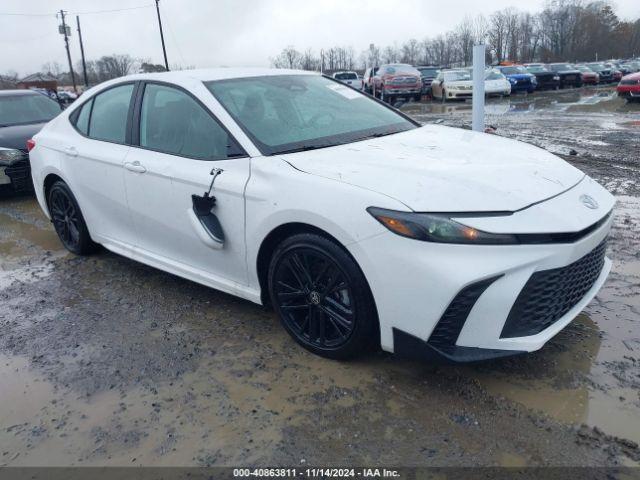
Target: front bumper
{"type": "Point", "coordinates": [629, 91]}
{"type": "Point", "coordinates": [473, 289]}
{"type": "Point", "coordinates": [16, 178]}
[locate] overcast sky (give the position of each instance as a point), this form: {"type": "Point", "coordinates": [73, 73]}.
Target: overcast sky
{"type": "Point", "coordinates": [209, 33]}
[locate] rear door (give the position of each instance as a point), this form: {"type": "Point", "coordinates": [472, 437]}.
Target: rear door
{"type": "Point", "coordinates": [177, 143]}
{"type": "Point", "coordinates": [95, 159]}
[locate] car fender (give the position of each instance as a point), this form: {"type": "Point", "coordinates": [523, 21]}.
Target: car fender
{"type": "Point", "coordinates": [278, 194]}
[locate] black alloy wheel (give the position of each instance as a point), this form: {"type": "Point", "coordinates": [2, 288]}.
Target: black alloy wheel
{"type": "Point", "coordinates": [322, 297]}
{"type": "Point", "coordinates": [68, 221]}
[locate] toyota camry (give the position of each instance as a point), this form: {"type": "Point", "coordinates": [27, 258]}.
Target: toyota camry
{"type": "Point", "coordinates": [359, 226]}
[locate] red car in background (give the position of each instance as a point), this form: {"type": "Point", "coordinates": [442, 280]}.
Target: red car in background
{"type": "Point", "coordinates": [397, 80]}
{"type": "Point", "coordinates": [589, 77]}
{"type": "Point", "coordinates": [629, 87]}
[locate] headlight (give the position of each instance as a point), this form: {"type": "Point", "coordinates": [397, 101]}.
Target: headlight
{"type": "Point", "coordinates": [9, 156]}
{"type": "Point", "coordinates": [513, 80]}
{"type": "Point", "coordinates": [436, 228]}
{"type": "Point", "coordinates": [556, 77]}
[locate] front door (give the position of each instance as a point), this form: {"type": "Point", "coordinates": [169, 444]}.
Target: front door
{"type": "Point", "coordinates": [179, 143]}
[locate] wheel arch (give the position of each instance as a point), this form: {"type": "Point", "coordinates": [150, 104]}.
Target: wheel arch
{"type": "Point", "coordinates": [280, 233]}
{"type": "Point", "coordinates": [47, 183]}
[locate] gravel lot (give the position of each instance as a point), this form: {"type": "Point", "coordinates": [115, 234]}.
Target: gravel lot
{"type": "Point", "coordinates": [104, 361]}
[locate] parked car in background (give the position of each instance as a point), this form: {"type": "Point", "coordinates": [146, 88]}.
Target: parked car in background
{"type": "Point", "coordinates": [66, 98]}
{"type": "Point", "coordinates": [589, 77]}
{"type": "Point", "coordinates": [22, 114]}
{"type": "Point", "coordinates": [428, 73]}
{"type": "Point", "coordinates": [495, 83]}
{"type": "Point", "coordinates": [605, 73]}
{"type": "Point", "coordinates": [452, 85]}
{"type": "Point", "coordinates": [368, 80]}
{"type": "Point", "coordinates": [360, 227]}
{"type": "Point", "coordinates": [349, 78]}
{"type": "Point", "coordinates": [398, 80]}
{"type": "Point", "coordinates": [521, 80]}
{"type": "Point", "coordinates": [545, 78]}
{"type": "Point", "coordinates": [569, 76]}
{"type": "Point", "coordinates": [629, 87]}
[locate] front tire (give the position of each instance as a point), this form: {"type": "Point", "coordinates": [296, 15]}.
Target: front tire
{"type": "Point", "coordinates": [322, 297]}
{"type": "Point", "coordinates": [68, 221]}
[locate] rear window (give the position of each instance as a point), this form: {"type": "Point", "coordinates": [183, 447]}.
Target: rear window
{"type": "Point", "coordinates": [346, 76]}
{"type": "Point", "coordinates": [513, 70]}
{"type": "Point", "coordinates": [26, 109]}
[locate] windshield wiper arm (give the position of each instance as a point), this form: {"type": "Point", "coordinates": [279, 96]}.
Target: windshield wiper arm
{"type": "Point", "coordinates": [306, 148]}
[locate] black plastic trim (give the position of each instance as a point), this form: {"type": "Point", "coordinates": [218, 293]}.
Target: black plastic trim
{"type": "Point", "coordinates": [408, 346]}
{"type": "Point", "coordinates": [446, 332]}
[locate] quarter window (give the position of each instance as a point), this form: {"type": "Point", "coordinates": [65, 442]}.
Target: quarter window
{"type": "Point", "coordinates": [82, 118]}
{"type": "Point", "coordinates": [109, 116]}
{"type": "Point", "coordinates": [171, 121]}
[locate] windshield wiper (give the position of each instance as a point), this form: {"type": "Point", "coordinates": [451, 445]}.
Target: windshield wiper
{"type": "Point", "coordinates": [306, 148]}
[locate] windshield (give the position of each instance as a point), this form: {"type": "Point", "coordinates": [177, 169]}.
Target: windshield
{"type": "Point", "coordinates": [513, 70]}
{"type": "Point", "coordinates": [536, 69]}
{"type": "Point", "coordinates": [346, 76]}
{"type": "Point", "coordinates": [559, 67]}
{"type": "Point", "coordinates": [493, 75]}
{"type": "Point", "coordinates": [287, 113]}
{"type": "Point", "coordinates": [26, 109]}
{"type": "Point", "coordinates": [596, 66]}
{"type": "Point", "coordinates": [457, 75]}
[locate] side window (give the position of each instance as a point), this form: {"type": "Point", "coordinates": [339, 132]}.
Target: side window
{"type": "Point", "coordinates": [82, 118]}
{"type": "Point", "coordinates": [109, 115]}
{"type": "Point", "coordinates": [171, 121]}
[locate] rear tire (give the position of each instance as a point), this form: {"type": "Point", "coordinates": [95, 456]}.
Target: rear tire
{"type": "Point", "coordinates": [68, 221]}
{"type": "Point", "coordinates": [322, 297]}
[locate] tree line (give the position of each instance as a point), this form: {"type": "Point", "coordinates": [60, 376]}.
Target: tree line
{"type": "Point", "coordinates": [100, 70]}
{"type": "Point", "coordinates": [565, 30]}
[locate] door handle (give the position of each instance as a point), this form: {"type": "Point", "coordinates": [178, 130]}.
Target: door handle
{"type": "Point", "coordinates": [135, 167]}
{"type": "Point", "coordinates": [71, 151]}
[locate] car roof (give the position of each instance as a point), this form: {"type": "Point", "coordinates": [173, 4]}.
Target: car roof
{"type": "Point", "coordinates": [13, 93]}
{"type": "Point", "coordinates": [211, 74]}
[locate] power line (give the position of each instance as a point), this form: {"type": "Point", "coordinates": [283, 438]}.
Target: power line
{"type": "Point", "coordinates": [88, 12]}
{"type": "Point", "coordinates": [28, 14]}
{"type": "Point", "coordinates": [113, 10]}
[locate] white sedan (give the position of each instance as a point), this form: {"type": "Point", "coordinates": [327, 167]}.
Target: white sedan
{"type": "Point", "coordinates": [458, 84]}
{"type": "Point", "coordinates": [359, 226]}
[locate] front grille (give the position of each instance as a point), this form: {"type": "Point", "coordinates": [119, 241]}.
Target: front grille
{"type": "Point", "coordinates": [20, 174]}
{"type": "Point", "coordinates": [550, 294]}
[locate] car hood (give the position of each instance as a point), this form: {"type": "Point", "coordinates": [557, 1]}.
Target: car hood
{"type": "Point", "coordinates": [16, 136]}
{"type": "Point", "coordinates": [442, 169]}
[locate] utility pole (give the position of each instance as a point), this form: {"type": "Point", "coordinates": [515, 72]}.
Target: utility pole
{"type": "Point", "coordinates": [164, 50]}
{"type": "Point", "coordinates": [84, 65]}
{"type": "Point", "coordinates": [66, 31]}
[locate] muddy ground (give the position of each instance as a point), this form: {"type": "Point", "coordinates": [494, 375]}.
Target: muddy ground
{"type": "Point", "coordinates": [104, 361]}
